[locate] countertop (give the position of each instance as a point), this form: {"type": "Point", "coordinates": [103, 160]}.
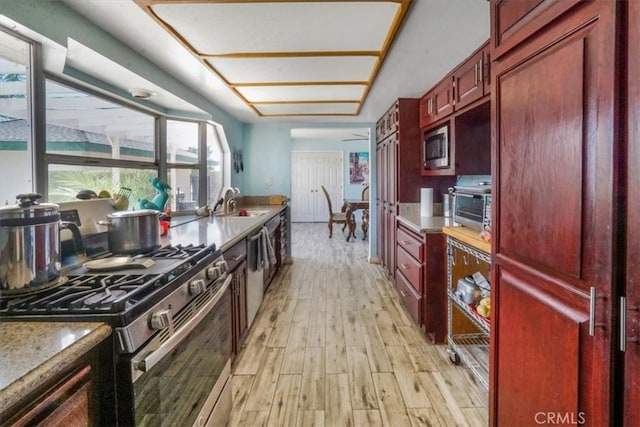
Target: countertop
{"type": "Point", "coordinates": [33, 352]}
{"type": "Point", "coordinates": [409, 215]}
{"type": "Point", "coordinates": [468, 236]}
{"type": "Point", "coordinates": [223, 230]}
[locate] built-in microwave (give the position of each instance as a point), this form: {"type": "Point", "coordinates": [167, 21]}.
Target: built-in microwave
{"type": "Point", "coordinates": [436, 148]}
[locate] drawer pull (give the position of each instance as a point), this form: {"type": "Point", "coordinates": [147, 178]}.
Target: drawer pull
{"type": "Point", "coordinates": [405, 266]}
{"type": "Point", "coordinates": [403, 294]}
{"type": "Point", "coordinates": [405, 242]}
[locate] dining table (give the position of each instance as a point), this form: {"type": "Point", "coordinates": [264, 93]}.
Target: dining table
{"type": "Point", "coordinates": [349, 207]}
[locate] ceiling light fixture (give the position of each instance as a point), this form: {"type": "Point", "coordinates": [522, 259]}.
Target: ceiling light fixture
{"type": "Point", "coordinates": [141, 93]}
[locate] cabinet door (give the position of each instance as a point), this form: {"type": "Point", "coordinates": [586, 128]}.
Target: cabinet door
{"type": "Point", "coordinates": [442, 104]}
{"type": "Point", "coordinates": [426, 110]}
{"type": "Point", "coordinates": [469, 80]}
{"type": "Point", "coordinates": [553, 127]}
{"type": "Point", "coordinates": [392, 169]}
{"type": "Point", "coordinates": [631, 354]}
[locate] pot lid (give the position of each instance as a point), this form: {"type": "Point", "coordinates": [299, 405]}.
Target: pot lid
{"type": "Point", "coordinates": [129, 214]}
{"type": "Point", "coordinates": [28, 207]}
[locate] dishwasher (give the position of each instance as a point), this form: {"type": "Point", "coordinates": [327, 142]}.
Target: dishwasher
{"type": "Point", "coordinates": [255, 275]}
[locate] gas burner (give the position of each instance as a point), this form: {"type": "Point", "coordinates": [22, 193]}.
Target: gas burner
{"type": "Point", "coordinates": [88, 295]}
{"type": "Point", "coordinates": [182, 252]}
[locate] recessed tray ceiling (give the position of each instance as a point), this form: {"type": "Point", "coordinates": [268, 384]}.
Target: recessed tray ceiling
{"type": "Point", "coordinates": [287, 58]}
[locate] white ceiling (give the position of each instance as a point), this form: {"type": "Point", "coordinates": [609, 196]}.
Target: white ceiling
{"type": "Point", "coordinates": [435, 36]}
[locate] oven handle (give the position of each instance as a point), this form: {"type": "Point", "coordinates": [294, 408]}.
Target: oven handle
{"type": "Point", "coordinates": [151, 359]}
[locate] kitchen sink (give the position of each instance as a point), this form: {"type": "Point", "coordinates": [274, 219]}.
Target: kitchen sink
{"type": "Point", "coordinates": [250, 213]}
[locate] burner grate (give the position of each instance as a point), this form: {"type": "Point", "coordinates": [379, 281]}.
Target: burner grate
{"type": "Point", "coordinates": [87, 295]}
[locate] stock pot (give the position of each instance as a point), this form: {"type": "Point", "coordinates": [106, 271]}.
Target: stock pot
{"type": "Point", "coordinates": [30, 245]}
{"type": "Point", "coordinates": [133, 232]}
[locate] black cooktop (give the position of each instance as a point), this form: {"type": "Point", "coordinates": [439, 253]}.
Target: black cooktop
{"type": "Point", "coordinates": [114, 297]}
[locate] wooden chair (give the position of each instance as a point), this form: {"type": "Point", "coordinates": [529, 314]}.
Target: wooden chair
{"type": "Point", "coordinates": [365, 213]}
{"type": "Point", "coordinates": [335, 217]}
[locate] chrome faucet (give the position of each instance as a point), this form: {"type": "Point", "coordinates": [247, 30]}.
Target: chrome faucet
{"type": "Point", "coordinates": [229, 199]}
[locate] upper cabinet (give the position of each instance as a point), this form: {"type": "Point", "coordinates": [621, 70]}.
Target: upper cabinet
{"type": "Point", "coordinates": [467, 83]}
{"type": "Point", "coordinates": [437, 103]}
{"type": "Point", "coordinates": [471, 79]}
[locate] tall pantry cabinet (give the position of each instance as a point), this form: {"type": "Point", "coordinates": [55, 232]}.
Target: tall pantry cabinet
{"type": "Point", "coordinates": [398, 178]}
{"type": "Point", "coordinates": [630, 305]}
{"type": "Point", "coordinates": [559, 224]}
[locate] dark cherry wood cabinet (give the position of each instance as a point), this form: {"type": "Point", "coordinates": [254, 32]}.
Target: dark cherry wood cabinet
{"type": "Point", "coordinates": [555, 229]}
{"type": "Point", "coordinates": [437, 103]}
{"type": "Point", "coordinates": [398, 177]}
{"type": "Point", "coordinates": [629, 358]}
{"type": "Point", "coordinates": [236, 258]}
{"type": "Point", "coordinates": [471, 79]}
{"type": "Point", "coordinates": [421, 279]}
{"type": "Point", "coordinates": [66, 404]}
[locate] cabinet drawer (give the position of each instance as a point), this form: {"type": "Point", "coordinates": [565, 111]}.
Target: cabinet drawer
{"type": "Point", "coordinates": [410, 298]}
{"type": "Point", "coordinates": [410, 244]}
{"type": "Point", "coordinates": [235, 255]}
{"type": "Point", "coordinates": [411, 269]}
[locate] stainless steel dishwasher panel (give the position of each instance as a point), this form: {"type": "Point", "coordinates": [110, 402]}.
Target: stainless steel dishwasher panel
{"type": "Point", "coordinates": [255, 275]}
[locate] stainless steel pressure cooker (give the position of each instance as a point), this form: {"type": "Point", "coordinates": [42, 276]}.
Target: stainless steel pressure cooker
{"type": "Point", "coordinates": [30, 245]}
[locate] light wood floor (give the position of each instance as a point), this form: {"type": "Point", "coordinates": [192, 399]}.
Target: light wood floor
{"type": "Point", "coordinates": [333, 346]}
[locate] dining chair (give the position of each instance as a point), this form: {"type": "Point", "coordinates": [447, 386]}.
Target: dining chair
{"type": "Point", "coordinates": [335, 217]}
{"type": "Point", "coordinates": [365, 213]}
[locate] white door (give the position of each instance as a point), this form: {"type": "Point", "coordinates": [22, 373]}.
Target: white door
{"type": "Point", "coordinates": [310, 170]}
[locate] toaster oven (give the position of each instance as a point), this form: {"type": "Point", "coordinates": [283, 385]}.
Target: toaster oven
{"type": "Point", "coordinates": [472, 209]}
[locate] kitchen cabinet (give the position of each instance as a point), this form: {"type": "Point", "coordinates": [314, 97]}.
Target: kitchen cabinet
{"type": "Point", "coordinates": [437, 103]}
{"type": "Point", "coordinates": [468, 331]}
{"type": "Point", "coordinates": [471, 79]}
{"type": "Point", "coordinates": [629, 348]}
{"type": "Point", "coordinates": [67, 403]}
{"type": "Point", "coordinates": [283, 238]}
{"type": "Point", "coordinates": [398, 177]}
{"type": "Point", "coordinates": [236, 258]}
{"type": "Point", "coordinates": [555, 228]}
{"type": "Point", "coordinates": [81, 394]}
{"type": "Point", "coordinates": [420, 279]}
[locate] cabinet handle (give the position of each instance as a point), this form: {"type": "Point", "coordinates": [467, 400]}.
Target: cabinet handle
{"type": "Point", "coordinates": [405, 266]}
{"type": "Point", "coordinates": [405, 242]}
{"type": "Point", "coordinates": [430, 106]}
{"type": "Point", "coordinates": [623, 324]}
{"type": "Point", "coordinates": [403, 294]}
{"type": "Point", "coordinates": [481, 71]}
{"type": "Point", "coordinates": [592, 311]}
{"type": "Point", "coordinates": [475, 74]}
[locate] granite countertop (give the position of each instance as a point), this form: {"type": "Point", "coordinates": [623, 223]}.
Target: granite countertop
{"type": "Point", "coordinates": [223, 230]}
{"type": "Point", "coordinates": [33, 352]}
{"type": "Point", "coordinates": [410, 216]}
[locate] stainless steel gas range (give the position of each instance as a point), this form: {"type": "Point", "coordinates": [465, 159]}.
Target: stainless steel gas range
{"type": "Point", "coordinates": [172, 329]}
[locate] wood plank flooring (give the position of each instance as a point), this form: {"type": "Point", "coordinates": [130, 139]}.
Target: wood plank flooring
{"type": "Point", "coordinates": [333, 346]}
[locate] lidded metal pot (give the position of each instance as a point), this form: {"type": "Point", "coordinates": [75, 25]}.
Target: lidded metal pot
{"type": "Point", "coordinates": [30, 245]}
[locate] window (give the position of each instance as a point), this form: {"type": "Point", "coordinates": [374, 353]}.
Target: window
{"type": "Point", "coordinates": [16, 154]}
{"type": "Point", "coordinates": [215, 156]}
{"type": "Point", "coordinates": [65, 181]}
{"type": "Point", "coordinates": [95, 142]}
{"type": "Point", "coordinates": [82, 124]}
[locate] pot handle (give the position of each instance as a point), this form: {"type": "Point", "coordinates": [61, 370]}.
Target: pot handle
{"type": "Point", "coordinates": [107, 223]}
{"type": "Point", "coordinates": [77, 237]}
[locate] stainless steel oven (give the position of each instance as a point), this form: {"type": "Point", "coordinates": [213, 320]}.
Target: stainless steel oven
{"type": "Point", "coordinates": [179, 378]}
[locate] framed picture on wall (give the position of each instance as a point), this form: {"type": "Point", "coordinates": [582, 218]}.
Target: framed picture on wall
{"type": "Point", "coordinates": [358, 167]}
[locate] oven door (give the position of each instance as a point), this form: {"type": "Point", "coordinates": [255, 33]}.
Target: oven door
{"type": "Point", "coordinates": [182, 380]}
